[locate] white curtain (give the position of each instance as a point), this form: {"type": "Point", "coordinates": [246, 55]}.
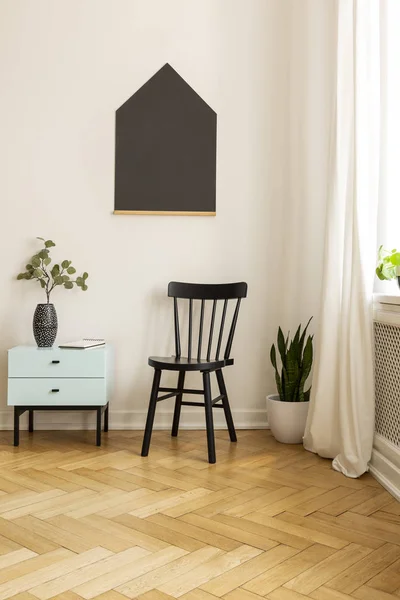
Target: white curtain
{"type": "Point", "coordinates": [389, 204]}
{"type": "Point", "coordinates": [341, 417]}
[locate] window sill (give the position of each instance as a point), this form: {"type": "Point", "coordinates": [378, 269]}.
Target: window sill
{"type": "Point", "coordinates": [387, 299]}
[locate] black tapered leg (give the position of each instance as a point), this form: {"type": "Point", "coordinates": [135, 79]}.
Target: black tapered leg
{"type": "Point", "coordinates": [151, 412]}
{"type": "Point", "coordinates": [30, 421]}
{"type": "Point", "coordinates": [209, 417]}
{"type": "Point", "coordinates": [16, 426]}
{"type": "Point", "coordinates": [98, 427]}
{"type": "Point", "coordinates": [178, 405]}
{"type": "Point", "coordinates": [225, 404]}
{"type": "Point", "coordinates": [106, 419]}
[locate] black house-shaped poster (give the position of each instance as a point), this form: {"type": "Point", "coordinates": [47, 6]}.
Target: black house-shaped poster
{"type": "Point", "coordinates": [165, 153]}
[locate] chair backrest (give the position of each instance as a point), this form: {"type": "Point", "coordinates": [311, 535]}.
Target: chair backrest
{"type": "Point", "coordinates": [204, 292]}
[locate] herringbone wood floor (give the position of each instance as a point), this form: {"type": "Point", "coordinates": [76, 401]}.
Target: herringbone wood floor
{"type": "Point", "coordinates": [267, 520]}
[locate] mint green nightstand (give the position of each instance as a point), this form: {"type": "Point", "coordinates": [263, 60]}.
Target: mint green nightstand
{"type": "Point", "coordinates": [59, 379]}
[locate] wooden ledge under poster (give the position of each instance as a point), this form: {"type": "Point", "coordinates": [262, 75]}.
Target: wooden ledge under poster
{"type": "Point", "coordinates": [165, 150]}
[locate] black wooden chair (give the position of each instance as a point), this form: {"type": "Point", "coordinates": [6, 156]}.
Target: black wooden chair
{"type": "Point", "coordinates": [212, 362]}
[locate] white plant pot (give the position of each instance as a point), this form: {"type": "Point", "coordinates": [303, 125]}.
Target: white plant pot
{"type": "Point", "coordinates": [287, 420]}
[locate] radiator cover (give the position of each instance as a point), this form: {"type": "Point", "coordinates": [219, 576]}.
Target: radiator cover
{"type": "Point", "coordinates": [387, 381]}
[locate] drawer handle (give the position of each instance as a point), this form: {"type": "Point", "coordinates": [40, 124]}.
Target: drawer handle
{"type": "Point", "coordinates": [55, 390]}
{"type": "Point", "coordinates": [55, 362]}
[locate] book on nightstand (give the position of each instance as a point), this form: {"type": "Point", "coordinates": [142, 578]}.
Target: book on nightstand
{"type": "Point", "coordinates": [83, 344]}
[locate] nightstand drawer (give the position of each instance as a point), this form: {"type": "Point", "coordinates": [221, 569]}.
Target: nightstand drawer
{"type": "Point", "coordinates": [56, 392]}
{"type": "Point", "coordinates": [56, 362]}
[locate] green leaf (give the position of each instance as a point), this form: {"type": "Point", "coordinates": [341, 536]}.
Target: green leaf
{"type": "Point", "coordinates": [35, 261]}
{"type": "Point", "coordinates": [303, 335]}
{"type": "Point", "coordinates": [48, 243]}
{"type": "Point", "coordinates": [395, 259]}
{"type": "Point", "coordinates": [296, 340]}
{"type": "Point", "coordinates": [47, 261]}
{"type": "Point", "coordinates": [65, 278]}
{"type": "Point", "coordinates": [85, 275]}
{"type": "Point", "coordinates": [379, 273]}
{"type": "Point", "coordinates": [380, 252]}
{"type": "Point", "coordinates": [68, 285]}
{"type": "Point", "coordinates": [71, 270]}
{"type": "Point", "coordinates": [39, 238]}
{"type": "Point", "coordinates": [43, 254]}
{"type": "Point", "coordinates": [58, 280]}
{"type": "Point", "coordinates": [55, 271]}
{"type": "Point", "coordinates": [307, 364]}
{"type": "Point", "coordinates": [42, 283]}
{"type": "Point", "coordinates": [28, 267]}
{"type": "Point", "coordinates": [65, 264]}
{"type": "Point", "coordinates": [79, 281]}
{"type": "Point", "coordinates": [293, 374]}
{"type": "Point", "coordinates": [389, 271]}
{"type": "Point", "coordinates": [38, 273]}
{"type": "Point", "coordinates": [84, 287]}
{"type": "Point", "coordinates": [273, 356]}
{"type": "Point", "coordinates": [281, 346]}
{"type": "Point", "coordinates": [277, 376]}
{"type": "Point", "coordinates": [21, 276]}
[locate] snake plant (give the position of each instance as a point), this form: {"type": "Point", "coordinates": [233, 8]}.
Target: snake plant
{"type": "Point", "coordinates": [296, 358]}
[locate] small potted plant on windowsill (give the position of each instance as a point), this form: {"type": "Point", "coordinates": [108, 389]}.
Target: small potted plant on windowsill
{"type": "Point", "coordinates": [388, 266]}
{"type": "Point", "coordinates": [45, 323]}
{"type": "Point", "coordinates": [288, 410]}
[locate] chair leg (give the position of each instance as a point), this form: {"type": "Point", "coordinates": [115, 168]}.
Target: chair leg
{"type": "Point", "coordinates": [225, 404]}
{"type": "Point", "coordinates": [151, 412]}
{"type": "Point", "coordinates": [209, 417]}
{"type": "Point", "coordinates": [178, 405]}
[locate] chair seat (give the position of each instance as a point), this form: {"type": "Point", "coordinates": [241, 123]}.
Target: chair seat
{"type": "Point", "coordinates": [171, 363]}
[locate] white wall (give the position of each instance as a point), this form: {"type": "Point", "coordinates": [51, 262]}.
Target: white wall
{"type": "Point", "coordinates": [310, 47]}
{"type": "Point", "coordinates": [66, 66]}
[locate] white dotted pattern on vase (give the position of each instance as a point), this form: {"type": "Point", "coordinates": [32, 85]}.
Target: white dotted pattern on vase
{"type": "Point", "coordinates": [387, 382]}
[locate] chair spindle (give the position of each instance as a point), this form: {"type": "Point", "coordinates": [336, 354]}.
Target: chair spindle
{"type": "Point", "coordinates": [211, 329]}
{"type": "Point", "coordinates": [200, 330]}
{"type": "Point", "coordinates": [190, 329]}
{"type": "Point", "coordinates": [221, 329]}
{"type": "Point", "coordinates": [177, 336]}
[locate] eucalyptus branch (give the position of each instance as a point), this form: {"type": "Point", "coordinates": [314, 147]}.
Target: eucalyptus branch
{"type": "Point", "coordinates": [49, 278]}
{"type": "Point", "coordinates": [46, 274]}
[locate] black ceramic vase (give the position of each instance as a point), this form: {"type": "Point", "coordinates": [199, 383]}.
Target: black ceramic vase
{"type": "Point", "coordinates": [45, 325]}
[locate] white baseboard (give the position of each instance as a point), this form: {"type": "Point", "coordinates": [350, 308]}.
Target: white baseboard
{"type": "Point", "coordinates": [385, 465]}
{"type": "Point", "coordinates": [135, 419]}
